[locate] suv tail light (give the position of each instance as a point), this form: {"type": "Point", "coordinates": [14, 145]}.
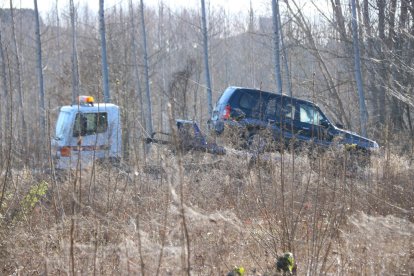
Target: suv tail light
{"type": "Point", "coordinates": [226, 112]}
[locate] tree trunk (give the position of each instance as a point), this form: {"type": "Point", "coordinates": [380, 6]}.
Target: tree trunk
{"type": "Point", "coordinates": [4, 99]}
{"type": "Point", "coordinates": [358, 76]}
{"type": "Point", "coordinates": [20, 110]}
{"type": "Point", "coordinates": [391, 23]}
{"type": "Point", "coordinates": [206, 65]}
{"type": "Point", "coordinates": [42, 110]}
{"type": "Point", "coordinates": [337, 7]}
{"type": "Point", "coordinates": [147, 81]}
{"type": "Point", "coordinates": [383, 113]}
{"type": "Point", "coordinates": [285, 57]}
{"type": "Point", "coordinates": [105, 77]}
{"type": "Point", "coordinates": [276, 45]}
{"type": "Point", "coordinates": [137, 82]}
{"type": "Point", "coordinates": [58, 38]}
{"type": "Point", "coordinates": [75, 66]}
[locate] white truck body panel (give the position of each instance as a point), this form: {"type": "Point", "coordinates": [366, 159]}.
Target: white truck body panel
{"type": "Point", "coordinates": [85, 133]}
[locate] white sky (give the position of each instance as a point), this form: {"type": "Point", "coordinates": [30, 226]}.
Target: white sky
{"type": "Point", "coordinates": [261, 7]}
{"type": "Point", "coordinates": [235, 6]}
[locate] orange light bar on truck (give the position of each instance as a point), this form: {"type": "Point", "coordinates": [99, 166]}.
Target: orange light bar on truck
{"type": "Point", "coordinates": [85, 100]}
{"type": "Point", "coordinates": [65, 151]}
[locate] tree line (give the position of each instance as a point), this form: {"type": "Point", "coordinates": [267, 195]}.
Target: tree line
{"type": "Point", "coordinates": [160, 55]}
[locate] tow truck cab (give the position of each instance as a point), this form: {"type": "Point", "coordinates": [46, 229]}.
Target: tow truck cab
{"type": "Point", "coordinates": [86, 132]}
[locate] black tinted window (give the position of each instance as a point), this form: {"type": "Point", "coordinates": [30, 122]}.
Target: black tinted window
{"type": "Point", "coordinates": [248, 101]}
{"type": "Point", "coordinates": [285, 109]}
{"type": "Point", "coordinates": [252, 103]}
{"type": "Point", "coordinates": [90, 123]}
{"type": "Point", "coordinates": [271, 108]}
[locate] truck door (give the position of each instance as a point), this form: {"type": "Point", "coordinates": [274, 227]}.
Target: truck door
{"type": "Point", "coordinates": [90, 135]}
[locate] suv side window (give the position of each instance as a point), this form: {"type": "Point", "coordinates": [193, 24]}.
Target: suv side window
{"type": "Point", "coordinates": [309, 114]}
{"type": "Point", "coordinates": [270, 111]}
{"type": "Point", "coordinates": [252, 103]}
{"type": "Point", "coordinates": [247, 101]}
{"type": "Point", "coordinates": [289, 110]}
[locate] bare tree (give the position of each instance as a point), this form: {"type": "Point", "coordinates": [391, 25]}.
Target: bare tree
{"type": "Point", "coordinates": [105, 77]}
{"type": "Point", "coordinates": [285, 57]}
{"type": "Point", "coordinates": [58, 34]}
{"type": "Point", "coordinates": [147, 82]}
{"type": "Point", "coordinates": [3, 98]}
{"type": "Point", "coordinates": [40, 75]}
{"type": "Point", "coordinates": [304, 26]}
{"type": "Point", "coordinates": [358, 75]}
{"type": "Point", "coordinates": [18, 75]}
{"type": "Point", "coordinates": [276, 44]}
{"type": "Point", "coordinates": [206, 65]}
{"type": "Point", "coordinates": [75, 70]}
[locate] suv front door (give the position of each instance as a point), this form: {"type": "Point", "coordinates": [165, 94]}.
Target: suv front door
{"type": "Point", "coordinates": [280, 114]}
{"type": "Point", "coordinates": [309, 124]}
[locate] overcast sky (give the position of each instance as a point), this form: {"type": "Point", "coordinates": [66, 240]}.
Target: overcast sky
{"type": "Point", "coordinates": [261, 7]}
{"type": "Point", "coordinates": [235, 6]}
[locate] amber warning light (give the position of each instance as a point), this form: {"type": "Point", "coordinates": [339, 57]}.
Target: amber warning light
{"type": "Point", "coordinates": [85, 100]}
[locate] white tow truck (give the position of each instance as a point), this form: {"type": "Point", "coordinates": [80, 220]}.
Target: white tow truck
{"type": "Point", "coordinates": [88, 132]}
{"type": "Point", "coordinates": [85, 132]}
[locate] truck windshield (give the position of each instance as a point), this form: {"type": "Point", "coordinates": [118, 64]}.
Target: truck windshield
{"type": "Point", "coordinates": [62, 124]}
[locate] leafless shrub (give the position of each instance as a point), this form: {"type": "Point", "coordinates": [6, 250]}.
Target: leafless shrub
{"type": "Point", "coordinates": [240, 209]}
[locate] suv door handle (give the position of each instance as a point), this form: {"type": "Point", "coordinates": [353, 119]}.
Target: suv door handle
{"type": "Point", "coordinates": [305, 128]}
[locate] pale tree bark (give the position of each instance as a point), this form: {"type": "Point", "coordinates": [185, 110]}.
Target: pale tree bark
{"type": "Point", "coordinates": [3, 98]}
{"type": "Point", "coordinates": [410, 7]}
{"type": "Point", "coordinates": [276, 45]}
{"type": "Point", "coordinates": [374, 90]}
{"type": "Point", "coordinates": [105, 77]}
{"type": "Point", "coordinates": [16, 51]}
{"type": "Point", "coordinates": [383, 113]}
{"type": "Point", "coordinates": [358, 75]}
{"type": "Point", "coordinates": [74, 59]}
{"type": "Point", "coordinates": [58, 36]}
{"type": "Point", "coordinates": [399, 75]}
{"type": "Point", "coordinates": [391, 22]}
{"type": "Point", "coordinates": [162, 43]}
{"type": "Point", "coordinates": [147, 81]}
{"type": "Point", "coordinates": [285, 58]}
{"type": "Point", "coordinates": [135, 64]}
{"type": "Point", "coordinates": [42, 110]}
{"type": "Point", "coordinates": [206, 62]}
{"type": "Point", "coordinates": [340, 21]}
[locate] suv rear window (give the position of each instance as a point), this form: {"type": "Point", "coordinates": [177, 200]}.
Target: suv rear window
{"type": "Point", "coordinates": [253, 103]}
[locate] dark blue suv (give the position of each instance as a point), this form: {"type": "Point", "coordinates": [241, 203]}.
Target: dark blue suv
{"type": "Point", "coordinates": [289, 120]}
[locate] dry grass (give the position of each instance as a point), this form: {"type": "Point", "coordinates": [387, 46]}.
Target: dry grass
{"type": "Point", "coordinates": [212, 213]}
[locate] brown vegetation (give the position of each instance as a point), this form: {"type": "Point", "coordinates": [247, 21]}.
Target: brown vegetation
{"type": "Point", "coordinates": [211, 213]}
